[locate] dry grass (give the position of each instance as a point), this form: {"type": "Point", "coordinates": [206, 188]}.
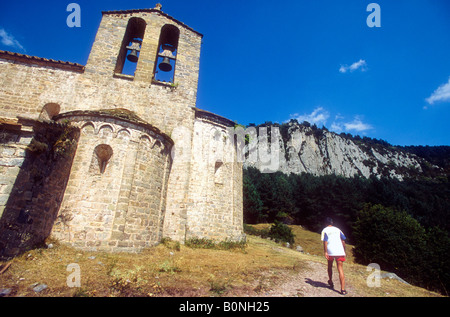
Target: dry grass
{"type": "Point", "coordinates": [173, 270]}
{"type": "Point", "coordinates": [158, 271]}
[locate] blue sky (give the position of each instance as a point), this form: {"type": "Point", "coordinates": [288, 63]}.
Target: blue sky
{"type": "Point", "coordinates": [313, 60]}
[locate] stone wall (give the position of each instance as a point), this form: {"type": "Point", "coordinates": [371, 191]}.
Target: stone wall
{"type": "Point", "coordinates": [39, 85]}
{"type": "Point", "coordinates": [35, 163]}
{"type": "Point", "coordinates": [215, 191]}
{"type": "Point", "coordinates": [118, 201]}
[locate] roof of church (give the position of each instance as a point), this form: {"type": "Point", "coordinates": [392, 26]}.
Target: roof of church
{"type": "Point", "coordinates": [41, 61]}
{"type": "Point", "coordinates": [214, 117]}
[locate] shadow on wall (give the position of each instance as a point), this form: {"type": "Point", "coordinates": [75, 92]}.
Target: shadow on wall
{"type": "Point", "coordinates": [36, 158]}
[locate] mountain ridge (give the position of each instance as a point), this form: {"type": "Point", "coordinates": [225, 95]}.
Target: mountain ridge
{"type": "Point", "coordinates": [305, 148]}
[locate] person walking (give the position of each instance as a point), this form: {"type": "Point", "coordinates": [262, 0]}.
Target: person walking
{"type": "Point", "coordinates": [334, 250]}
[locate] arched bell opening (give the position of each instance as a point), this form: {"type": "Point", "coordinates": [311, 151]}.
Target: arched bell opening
{"type": "Point", "coordinates": [167, 54]}
{"type": "Point", "coordinates": [131, 47]}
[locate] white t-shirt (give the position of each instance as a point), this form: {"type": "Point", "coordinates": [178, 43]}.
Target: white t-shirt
{"type": "Point", "coordinates": [333, 236]}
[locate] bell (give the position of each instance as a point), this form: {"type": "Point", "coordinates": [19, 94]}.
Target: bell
{"type": "Point", "coordinates": [165, 65]}
{"type": "Point", "coordinates": [132, 57]}
{"type": "Point", "coordinates": [135, 47]}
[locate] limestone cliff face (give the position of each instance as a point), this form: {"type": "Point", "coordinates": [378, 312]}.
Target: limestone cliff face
{"type": "Point", "coordinates": [297, 148]}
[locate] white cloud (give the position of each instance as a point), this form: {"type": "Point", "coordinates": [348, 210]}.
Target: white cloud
{"type": "Point", "coordinates": [361, 64]}
{"type": "Point", "coordinates": [357, 125]}
{"type": "Point", "coordinates": [318, 117]}
{"type": "Point", "coordinates": [442, 93]}
{"type": "Point", "coordinates": [337, 127]}
{"type": "Point", "coordinates": [9, 40]}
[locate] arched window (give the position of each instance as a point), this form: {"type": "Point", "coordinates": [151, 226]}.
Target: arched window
{"type": "Point", "coordinates": [167, 53]}
{"type": "Point", "coordinates": [131, 47]}
{"type": "Point", "coordinates": [49, 111]}
{"type": "Point", "coordinates": [103, 153]}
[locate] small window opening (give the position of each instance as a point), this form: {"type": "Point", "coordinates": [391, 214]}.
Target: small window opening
{"type": "Point", "coordinates": [167, 53]}
{"type": "Point", "coordinates": [49, 111]}
{"type": "Point", "coordinates": [131, 47]}
{"type": "Point", "coordinates": [218, 172]}
{"type": "Point", "coordinates": [103, 153]}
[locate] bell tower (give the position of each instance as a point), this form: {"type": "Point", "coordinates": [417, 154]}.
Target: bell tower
{"type": "Point", "coordinates": [147, 62]}
{"type": "Point", "coordinates": [145, 45]}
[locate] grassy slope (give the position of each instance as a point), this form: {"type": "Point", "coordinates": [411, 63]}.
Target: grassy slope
{"type": "Point", "coordinates": [173, 270]}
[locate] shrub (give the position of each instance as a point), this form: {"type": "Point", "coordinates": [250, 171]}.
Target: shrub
{"type": "Point", "coordinates": [170, 244]}
{"type": "Point", "coordinates": [281, 232]}
{"type": "Point", "coordinates": [37, 147]}
{"type": "Point", "coordinates": [263, 233]}
{"type": "Point", "coordinates": [203, 243]}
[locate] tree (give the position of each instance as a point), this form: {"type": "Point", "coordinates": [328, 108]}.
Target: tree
{"type": "Point", "coordinates": [252, 201]}
{"type": "Point", "coordinates": [391, 238]}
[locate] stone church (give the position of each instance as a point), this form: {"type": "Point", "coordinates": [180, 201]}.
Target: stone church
{"type": "Point", "coordinates": [114, 155]}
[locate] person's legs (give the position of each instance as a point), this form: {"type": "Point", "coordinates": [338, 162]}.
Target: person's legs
{"type": "Point", "coordinates": [330, 272]}
{"type": "Point", "coordinates": [340, 268]}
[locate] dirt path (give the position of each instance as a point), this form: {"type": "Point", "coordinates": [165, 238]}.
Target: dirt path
{"type": "Point", "coordinates": [311, 282]}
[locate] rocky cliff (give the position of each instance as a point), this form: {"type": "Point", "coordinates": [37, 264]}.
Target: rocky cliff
{"type": "Point", "coordinates": [297, 148]}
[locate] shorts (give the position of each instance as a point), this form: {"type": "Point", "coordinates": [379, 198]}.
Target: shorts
{"type": "Point", "coordinates": [337, 258]}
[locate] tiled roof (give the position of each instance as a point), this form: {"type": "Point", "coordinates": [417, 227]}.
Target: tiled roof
{"type": "Point", "coordinates": [215, 117]}
{"type": "Point", "coordinates": [41, 61]}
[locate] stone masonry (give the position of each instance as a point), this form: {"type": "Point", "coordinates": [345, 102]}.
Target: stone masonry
{"type": "Point", "coordinates": [140, 163]}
